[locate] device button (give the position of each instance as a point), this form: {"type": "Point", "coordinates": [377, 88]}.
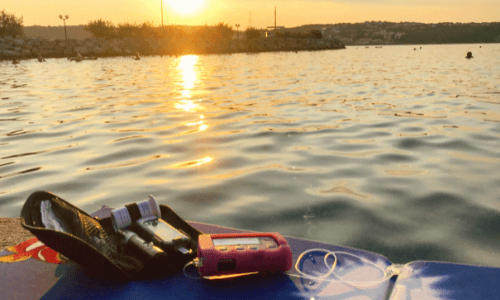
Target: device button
{"type": "Point", "coordinates": [240, 248]}
{"type": "Point", "coordinates": [253, 248]}
{"type": "Point", "coordinates": [222, 248]}
{"type": "Point", "coordinates": [272, 246]}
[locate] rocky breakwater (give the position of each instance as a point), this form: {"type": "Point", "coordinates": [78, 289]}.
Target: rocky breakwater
{"type": "Point", "coordinates": [285, 44]}
{"type": "Point", "coordinates": [266, 45]}
{"type": "Point", "coordinates": [23, 47]}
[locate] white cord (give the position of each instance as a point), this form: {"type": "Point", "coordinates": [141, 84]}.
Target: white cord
{"type": "Point", "coordinates": [354, 284]}
{"type": "Point", "coordinates": [186, 274]}
{"type": "Point", "coordinates": [328, 253]}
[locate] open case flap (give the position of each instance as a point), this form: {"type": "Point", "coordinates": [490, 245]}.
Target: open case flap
{"type": "Point", "coordinates": [91, 242]}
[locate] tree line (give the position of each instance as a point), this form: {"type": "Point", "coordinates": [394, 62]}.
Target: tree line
{"type": "Point", "coordinates": [107, 30]}
{"type": "Point", "coordinates": [220, 32]}
{"type": "Point", "coordinates": [13, 26]}
{"type": "Point", "coordinates": [10, 24]}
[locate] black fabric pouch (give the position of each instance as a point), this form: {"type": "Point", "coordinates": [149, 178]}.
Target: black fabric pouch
{"type": "Point", "coordinates": [94, 244]}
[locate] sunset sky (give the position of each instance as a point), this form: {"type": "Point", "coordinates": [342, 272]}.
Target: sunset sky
{"type": "Point", "coordinates": [289, 13]}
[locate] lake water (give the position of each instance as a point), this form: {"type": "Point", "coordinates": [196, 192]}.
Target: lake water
{"type": "Point", "coordinates": [391, 150]}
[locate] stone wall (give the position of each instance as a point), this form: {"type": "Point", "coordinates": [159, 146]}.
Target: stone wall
{"type": "Point", "coordinates": [24, 47]}
{"type": "Point", "coordinates": [285, 44]}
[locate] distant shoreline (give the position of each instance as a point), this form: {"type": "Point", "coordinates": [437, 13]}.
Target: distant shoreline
{"type": "Point", "coordinates": [364, 33]}
{"type": "Point", "coordinates": [51, 42]}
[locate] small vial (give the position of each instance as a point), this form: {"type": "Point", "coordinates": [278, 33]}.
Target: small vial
{"type": "Point", "coordinates": [121, 217]}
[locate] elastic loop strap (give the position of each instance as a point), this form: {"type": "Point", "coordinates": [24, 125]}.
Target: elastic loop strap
{"type": "Point", "coordinates": [133, 210]}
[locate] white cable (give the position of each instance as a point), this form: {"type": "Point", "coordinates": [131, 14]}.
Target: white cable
{"type": "Point", "coordinates": [328, 253]}
{"type": "Point", "coordinates": [186, 274]}
{"type": "Point", "coordinates": [362, 283]}
{"type": "Point", "coordinates": [354, 284]}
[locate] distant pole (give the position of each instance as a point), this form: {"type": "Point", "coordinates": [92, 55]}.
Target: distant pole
{"type": "Point", "coordinates": [237, 26]}
{"type": "Point", "coordinates": [275, 27]}
{"type": "Point", "coordinates": [161, 1]}
{"type": "Point", "coordinates": [64, 21]}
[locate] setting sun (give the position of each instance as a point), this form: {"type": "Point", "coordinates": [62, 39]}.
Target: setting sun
{"type": "Point", "coordinates": [186, 6]}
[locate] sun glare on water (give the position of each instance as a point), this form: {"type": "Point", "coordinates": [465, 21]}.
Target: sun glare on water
{"type": "Point", "coordinates": [185, 6]}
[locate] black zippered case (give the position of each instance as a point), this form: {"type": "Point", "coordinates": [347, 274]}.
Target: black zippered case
{"type": "Point", "coordinates": [94, 244]}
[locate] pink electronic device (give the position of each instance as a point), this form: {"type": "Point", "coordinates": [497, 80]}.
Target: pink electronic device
{"type": "Point", "coordinates": [235, 253]}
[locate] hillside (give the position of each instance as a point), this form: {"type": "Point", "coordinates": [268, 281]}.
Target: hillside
{"type": "Point", "coordinates": [389, 33]}
{"type": "Point", "coordinates": [367, 33]}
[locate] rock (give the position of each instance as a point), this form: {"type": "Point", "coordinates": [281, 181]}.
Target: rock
{"type": "Point", "coordinates": [11, 53]}
{"type": "Point", "coordinates": [105, 44]}
{"type": "Point", "coordinates": [116, 50]}
{"type": "Point", "coordinates": [98, 50]}
{"type": "Point", "coordinates": [18, 42]}
{"type": "Point", "coordinates": [46, 48]}
{"type": "Point", "coordinates": [46, 52]}
{"type": "Point", "coordinates": [82, 50]}
{"type": "Point", "coordinates": [33, 43]}
{"type": "Point", "coordinates": [59, 50]}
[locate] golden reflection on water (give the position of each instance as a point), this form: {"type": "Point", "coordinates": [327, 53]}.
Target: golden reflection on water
{"type": "Point", "coordinates": [342, 189]}
{"type": "Point", "coordinates": [465, 156]}
{"type": "Point", "coordinates": [189, 76]}
{"type": "Point", "coordinates": [156, 181]}
{"type": "Point", "coordinates": [405, 172]}
{"type": "Point", "coordinates": [192, 163]}
{"type": "Point", "coordinates": [187, 105]}
{"type": "Point", "coordinates": [255, 169]}
{"type": "Point", "coordinates": [186, 66]}
{"type": "Point", "coordinates": [126, 163]}
{"type": "Point", "coordinates": [359, 154]}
